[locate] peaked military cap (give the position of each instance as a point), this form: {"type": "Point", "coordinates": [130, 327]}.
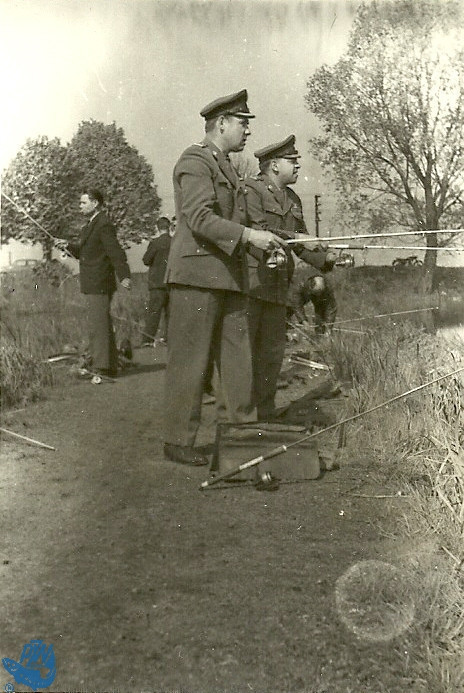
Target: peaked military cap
{"type": "Point", "coordinates": [279, 150]}
{"type": "Point", "coordinates": [233, 104]}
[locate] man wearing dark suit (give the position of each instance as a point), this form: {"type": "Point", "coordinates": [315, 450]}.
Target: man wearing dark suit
{"type": "Point", "coordinates": [100, 258]}
{"type": "Point", "coordinates": [207, 275]}
{"type": "Point", "coordinates": [156, 259]}
{"type": "Point", "coordinates": [274, 206]}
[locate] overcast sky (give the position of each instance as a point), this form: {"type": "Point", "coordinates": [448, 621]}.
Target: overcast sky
{"type": "Point", "coordinates": [151, 65]}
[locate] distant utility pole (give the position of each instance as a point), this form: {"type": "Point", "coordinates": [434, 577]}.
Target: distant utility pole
{"type": "Point", "coordinates": [317, 216]}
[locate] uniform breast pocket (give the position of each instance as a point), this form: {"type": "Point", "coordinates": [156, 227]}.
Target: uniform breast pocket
{"type": "Point", "coordinates": [274, 216]}
{"type": "Point", "coordinates": [296, 219]}
{"type": "Point", "coordinates": [224, 197]}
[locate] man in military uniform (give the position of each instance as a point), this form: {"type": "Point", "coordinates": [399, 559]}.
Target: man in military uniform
{"type": "Point", "coordinates": [207, 275]}
{"type": "Point", "coordinates": [275, 207]}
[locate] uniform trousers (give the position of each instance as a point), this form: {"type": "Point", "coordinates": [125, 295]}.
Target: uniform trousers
{"type": "Point", "coordinates": [204, 324]}
{"type": "Point", "coordinates": [267, 325]}
{"type": "Point", "coordinates": [158, 301]}
{"type": "Point", "coordinates": [102, 342]}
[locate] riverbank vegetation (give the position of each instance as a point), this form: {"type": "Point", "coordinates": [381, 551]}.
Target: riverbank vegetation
{"type": "Point", "coordinates": [416, 443]}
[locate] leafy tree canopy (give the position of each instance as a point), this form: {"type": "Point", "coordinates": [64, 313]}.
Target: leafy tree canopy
{"type": "Point", "coordinates": [244, 164]}
{"type": "Point", "coordinates": [38, 180]}
{"type": "Point", "coordinates": [106, 161]}
{"type": "Point", "coordinates": [46, 178]}
{"type": "Point", "coordinates": [392, 117]}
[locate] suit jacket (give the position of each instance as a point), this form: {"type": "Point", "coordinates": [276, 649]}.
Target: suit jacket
{"type": "Point", "coordinates": [279, 211]}
{"type": "Point", "coordinates": [156, 259]}
{"type": "Point", "coordinates": [100, 257]}
{"type": "Point", "coordinates": [206, 250]}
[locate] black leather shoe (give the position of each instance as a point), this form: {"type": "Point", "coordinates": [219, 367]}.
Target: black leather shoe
{"type": "Point", "coordinates": [184, 455]}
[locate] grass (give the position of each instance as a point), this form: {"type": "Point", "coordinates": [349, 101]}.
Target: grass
{"type": "Point", "coordinates": [39, 319]}
{"type": "Point", "coordinates": [417, 442]}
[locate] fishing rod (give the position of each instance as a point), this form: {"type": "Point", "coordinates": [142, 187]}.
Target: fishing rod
{"type": "Point", "coordinates": [303, 332]}
{"type": "Point", "coordinates": [349, 246]}
{"type": "Point", "coordinates": [283, 448]}
{"type": "Point", "coordinates": [385, 315]}
{"type": "Point", "coordinates": [327, 239]}
{"type": "Point", "coordinates": [23, 211]}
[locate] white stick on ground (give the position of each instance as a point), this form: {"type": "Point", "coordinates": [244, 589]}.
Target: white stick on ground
{"type": "Point", "coordinates": [28, 440]}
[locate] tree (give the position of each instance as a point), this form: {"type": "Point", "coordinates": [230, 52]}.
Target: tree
{"type": "Point", "coordinates": [46, 178]}
{"type": "Point", "coordinates": [392, 117]}
{"type": "Point", "coordinates": [106, 161]}
{"type": "Point", "coordinates": [244, 165]}
{"type": "Point", "coordinates": [39, 181]}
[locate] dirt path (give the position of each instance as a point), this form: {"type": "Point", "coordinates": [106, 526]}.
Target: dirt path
{"type": "Point", "coordinates": [143, 583]}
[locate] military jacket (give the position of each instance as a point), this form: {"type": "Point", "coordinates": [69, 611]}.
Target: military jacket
{"type": "Point", "coordinates": [207, 249]}
{"type": "Point", "coordinates": [279, 211]}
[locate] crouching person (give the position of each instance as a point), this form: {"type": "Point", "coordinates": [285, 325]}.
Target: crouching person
{"type": "Point", "coordinates": [313, 283]}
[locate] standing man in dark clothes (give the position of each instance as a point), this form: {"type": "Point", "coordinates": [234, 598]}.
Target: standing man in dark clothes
{"type": "Point", "coordinates": [156, 259]}
{"type": "Point", "coordinates": [100, 259]}
{"type": "Point", "coordinates": [208, 278]}
{"type": "Point", "coordinates": [273, 206]}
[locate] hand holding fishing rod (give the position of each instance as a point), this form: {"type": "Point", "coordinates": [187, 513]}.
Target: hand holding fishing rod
{"type": "Point", "coordinates": [59, 243]}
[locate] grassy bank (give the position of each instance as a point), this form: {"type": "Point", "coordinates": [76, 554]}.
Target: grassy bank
{"type": "Point", "coordinates": [39, 319]}
{"type": "Point", "coordinates": [416, 445]}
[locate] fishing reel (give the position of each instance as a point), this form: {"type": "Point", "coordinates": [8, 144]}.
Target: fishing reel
{"type": "Point", "coordinates": [345, 260]}
{"type": "Point", "coordinates": [266, 482]}
{"type": "Point", "coordinates": [276, 258]}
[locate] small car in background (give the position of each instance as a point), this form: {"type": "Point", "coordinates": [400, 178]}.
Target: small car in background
{"type": "Point", "coordinates": [21, 265]}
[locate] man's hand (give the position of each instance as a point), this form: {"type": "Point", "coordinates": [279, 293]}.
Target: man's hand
{"type": "Point", "coordinates": [331, 258]}
{"type": "Point", "coordinates": [264, 240]}
{"type": "Point", "coordinates": [126, 283]}
{"type": "Point", "coordinates": [60, 244]}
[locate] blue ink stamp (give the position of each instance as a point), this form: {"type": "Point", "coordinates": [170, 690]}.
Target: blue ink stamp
{"type": "Point", "coordinates": [36, 667]}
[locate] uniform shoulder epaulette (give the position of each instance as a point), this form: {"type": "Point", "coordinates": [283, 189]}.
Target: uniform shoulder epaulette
{"type": "Point", "coordinates": [199, 144]}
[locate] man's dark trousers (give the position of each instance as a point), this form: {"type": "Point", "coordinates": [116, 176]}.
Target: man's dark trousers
{"type": "Point", "coordinates": [102, 342]}
{"type": "Point", "coordinates": [158, 301]}
{"type": "Point", "coordinates": [266, 323]}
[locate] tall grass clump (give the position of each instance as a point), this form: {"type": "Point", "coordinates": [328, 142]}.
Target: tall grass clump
{"type": "Point", "coordinates": [419, 442]}
{"type": "Point", "coordinates": [40, 318]}
{"type": "Point", "coordinates": [22, 377]}
{"type": "Point", "coordinates": [37, 320]}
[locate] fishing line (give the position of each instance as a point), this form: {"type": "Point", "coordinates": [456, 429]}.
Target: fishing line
{"type": "Point", "coordinates": [23, 211]}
